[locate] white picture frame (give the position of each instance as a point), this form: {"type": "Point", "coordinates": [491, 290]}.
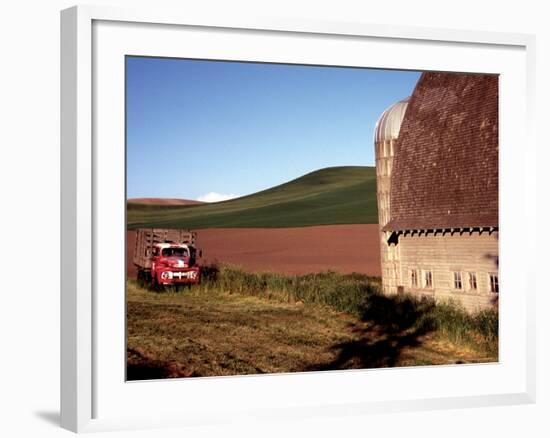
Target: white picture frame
{"type": "Point", "coordinates": [90, 36]}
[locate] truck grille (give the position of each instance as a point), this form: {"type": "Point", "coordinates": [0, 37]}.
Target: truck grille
{"type": "Point", "coordinates": [180, 275]}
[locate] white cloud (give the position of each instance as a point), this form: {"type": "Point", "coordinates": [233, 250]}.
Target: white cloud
{"type": "Point", "coordinates": [216, 197]}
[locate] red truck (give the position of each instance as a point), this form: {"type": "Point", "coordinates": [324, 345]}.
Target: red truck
{"type": "Point", "coordinates": [166, 257]}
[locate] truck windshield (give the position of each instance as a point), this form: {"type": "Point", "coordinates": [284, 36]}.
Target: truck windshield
{"type": "Point", "coordinates": [175, 252]}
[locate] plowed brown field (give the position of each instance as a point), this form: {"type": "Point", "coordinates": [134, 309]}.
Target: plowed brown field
{"type": "Point", "coordinates": [341, 248]}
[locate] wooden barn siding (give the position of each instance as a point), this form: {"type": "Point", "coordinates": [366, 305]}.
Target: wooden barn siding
{"type": "Point", "coordinates": [445, 254]}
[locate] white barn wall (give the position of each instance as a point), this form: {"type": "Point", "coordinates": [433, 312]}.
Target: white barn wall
{"type": "Point", "coordinates": [444, 254]}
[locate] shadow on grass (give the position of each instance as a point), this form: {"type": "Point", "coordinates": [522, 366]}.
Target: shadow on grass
{"type": "Point", "coordinates": [394, 323]}
{"type": "Point", "coordinates": [210, 272]}
{"type": "Point", "coordinates": [140, 367]}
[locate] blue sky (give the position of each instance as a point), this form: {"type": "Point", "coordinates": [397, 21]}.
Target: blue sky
{"type": "Point", "coordinates": [200, 127]}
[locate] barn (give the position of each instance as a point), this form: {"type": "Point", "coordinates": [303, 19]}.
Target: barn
{"type": "Point", "coordinates": [437, 188]}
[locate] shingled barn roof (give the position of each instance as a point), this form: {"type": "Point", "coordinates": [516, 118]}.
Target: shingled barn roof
{"type": "Point", "coordinates": [445, 172]}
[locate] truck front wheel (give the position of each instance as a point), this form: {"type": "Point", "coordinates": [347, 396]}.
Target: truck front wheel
{"type": "Point", "coordinates": [154, 283]}
{"type": "Point", "coordinates": [141, 278]}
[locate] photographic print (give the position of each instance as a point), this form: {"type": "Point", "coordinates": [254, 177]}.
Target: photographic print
{"type": "Point", "coordinates": [291, 218]}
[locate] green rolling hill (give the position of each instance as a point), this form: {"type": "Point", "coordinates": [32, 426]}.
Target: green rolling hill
{"type": "Point", "coordinates": [335, 195]}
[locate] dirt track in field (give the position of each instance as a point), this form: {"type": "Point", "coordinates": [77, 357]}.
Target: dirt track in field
{"type": "Point", "coordinates": [341, 248]}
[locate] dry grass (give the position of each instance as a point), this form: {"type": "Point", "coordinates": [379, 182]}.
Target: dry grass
{"type": "Point", "coordinates": [201, 332]}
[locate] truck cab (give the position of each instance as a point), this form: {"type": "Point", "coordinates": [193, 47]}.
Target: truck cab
{"type": "Point", "coordinates": [173, 264]}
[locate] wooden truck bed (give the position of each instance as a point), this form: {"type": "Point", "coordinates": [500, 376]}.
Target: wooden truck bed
{"type": "Point", "coordinates": [147, 237]}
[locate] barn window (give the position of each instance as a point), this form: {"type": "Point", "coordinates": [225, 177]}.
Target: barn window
{"type": "Point", "coordinates": [472, 280]}
{"type": "Point", "coordinates": [457, 277]}
{"type": "Point", "coordinates": [493, 280]}
{"type": "Point", "coordinates": [414, 278]}
{"type": "Point", "coordinates": [428, 279]}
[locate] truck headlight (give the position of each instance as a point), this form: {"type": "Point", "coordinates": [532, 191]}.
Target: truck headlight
{"type": "Point", "coordinates": [166, 275]}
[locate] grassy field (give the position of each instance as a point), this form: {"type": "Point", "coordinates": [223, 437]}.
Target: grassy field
{"type": "Point", "coordinates": [336, 195]}
{"type": "Point", "coordinates": [240, 323]}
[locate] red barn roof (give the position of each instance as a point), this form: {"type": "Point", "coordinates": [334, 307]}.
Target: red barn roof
{"type": "Point", "coordinates": [445, 172]}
